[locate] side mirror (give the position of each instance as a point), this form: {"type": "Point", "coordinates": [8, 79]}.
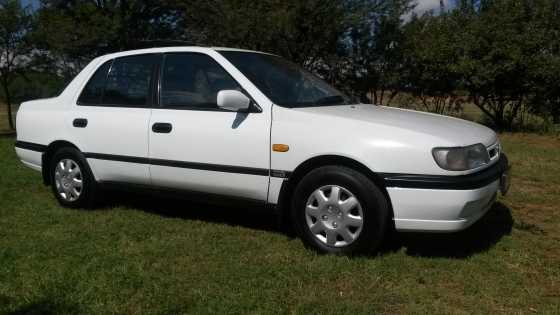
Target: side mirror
{"type": "Point", "coordinates": [233, 100]}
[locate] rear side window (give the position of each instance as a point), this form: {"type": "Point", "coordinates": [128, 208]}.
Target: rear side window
{"type": "Point", "coordinates": [93, 92]}
{"type": "Point", "coordinates": [125, 81]}
{"type": "Point", "coordinates": [192, 81]}
{"type": "Point", "coordinates": [129, 81]}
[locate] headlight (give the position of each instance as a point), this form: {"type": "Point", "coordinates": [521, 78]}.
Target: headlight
{"type": "Point", "coordinates": [461, 158]}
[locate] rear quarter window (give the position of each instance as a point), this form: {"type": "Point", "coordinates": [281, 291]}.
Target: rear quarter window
{"type": "Point", "coordinates": [93, 91]}
{"type": "Point", "coordinates": [125, 81]}
{"type": "Point", "coordinates": [129, 81]}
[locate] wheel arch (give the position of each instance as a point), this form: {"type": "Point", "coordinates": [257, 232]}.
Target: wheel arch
{"type": "Point", "coordinates": [48, 154]}
{"type": "Point", "coordinates": [288, 186]}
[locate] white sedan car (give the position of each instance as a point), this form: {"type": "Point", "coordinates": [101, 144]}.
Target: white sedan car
{"type": "Point", "coordinates": [253, 127]}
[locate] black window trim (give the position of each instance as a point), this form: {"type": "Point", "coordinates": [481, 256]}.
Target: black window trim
{"type": "Point", "coordinates": [253, 107]}
{"type": "Point", "coordinates": [151, 93]}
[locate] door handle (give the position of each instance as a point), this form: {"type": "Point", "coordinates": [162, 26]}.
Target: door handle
{"type": "Point", "coordinates": [79, 123]}
{"type": "Point", "coordinates": [162, 127]}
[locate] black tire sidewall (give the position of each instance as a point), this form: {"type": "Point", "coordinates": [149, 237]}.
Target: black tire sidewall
{"type": "Point", "coordinates": [86, 198]}
{"type": "Point", "coordinates": [373, 202]}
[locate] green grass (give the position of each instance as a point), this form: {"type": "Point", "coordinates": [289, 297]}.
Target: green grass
{"type": "Point", "coordinates": [147, 255]}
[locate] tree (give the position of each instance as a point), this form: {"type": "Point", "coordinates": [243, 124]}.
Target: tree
{"type": "Point", "coordinates": [302, 31]}
{"type": "Point", "coordinates": [503, 54]}
{"type": "Point", "coordinates": [544, 72]}
{"type": "Point", "coordinates": [15, 23]}
{"type": "Point", "coordinates": [375, 50]}
{"type": "Point", "coordinates": [71, 33]}
{"type": "Point", "coordinates": [496, 49]}
{"type": "Point", "coordinates": [430, 55]}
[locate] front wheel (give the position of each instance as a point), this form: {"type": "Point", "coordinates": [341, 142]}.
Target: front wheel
{"type": "Point", "coordinates": [339, 210]}
{"type": "Point", "coordinates": [73, 183]}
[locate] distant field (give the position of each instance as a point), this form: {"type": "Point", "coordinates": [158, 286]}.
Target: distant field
{"type": "Point", "coordinates": [142, 255]}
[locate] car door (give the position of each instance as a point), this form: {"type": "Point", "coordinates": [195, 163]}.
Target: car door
{"type": "Point", "coordinates": [111, 119]}
{"type": "Point", "coordinates": [196, 146]}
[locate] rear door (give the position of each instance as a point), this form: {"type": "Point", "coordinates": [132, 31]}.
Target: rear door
{"type": "Point", "coordinates": [196, 146]}
{"type": "Point", "coordinates": [111, 119]}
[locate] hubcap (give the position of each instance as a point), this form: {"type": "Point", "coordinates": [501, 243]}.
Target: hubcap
{"type": "Point", "coordinates": [334, 215]}
{"type": "Point", "coordinates": [68, 179]}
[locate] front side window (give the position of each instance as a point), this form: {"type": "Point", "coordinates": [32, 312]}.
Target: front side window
{"type": "Point", "coordinates": [283, 82]}
{"type": "Point", "coordinates": [129, 81]}
{"type": "Point", "coordinates": [192, 81]}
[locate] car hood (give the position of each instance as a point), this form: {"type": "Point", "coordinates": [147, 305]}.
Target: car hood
{"type": "Point", "coordinates": [452, 131]}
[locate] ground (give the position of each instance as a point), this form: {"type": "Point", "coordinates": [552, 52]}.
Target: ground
{"type": "Point", "coordinates": [140, 254]}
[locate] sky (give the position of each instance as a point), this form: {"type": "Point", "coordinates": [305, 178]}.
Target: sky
{"type": "Point", "coordinates": [426, 5]}
{"type": "Point", "coordinates": [33, 3]}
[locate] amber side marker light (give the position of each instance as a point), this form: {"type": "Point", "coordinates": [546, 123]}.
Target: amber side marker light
{"type": "Point", "coordinates": [278, 147]}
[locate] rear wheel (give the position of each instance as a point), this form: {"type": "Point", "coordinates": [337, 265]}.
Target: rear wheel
{"type": "Point", "coordinates": [339, 210]}
{"type": "Point", "coordinates": [73, 183]}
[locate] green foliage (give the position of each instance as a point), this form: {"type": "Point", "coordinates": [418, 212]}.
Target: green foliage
{"type": "Point", "coordinates": [374, 56]}
{"type": "Point", "coordinates": [493, 58]}
{"type": "Point", "coordinates": [34, 84]}
{"type": "Point", "coordinates": [15, 23]}
{"type": "Point", "coordinates": [71, 33]}
{"type": "Point", "coordinates": [302, 31]}
{"type": "Point", "coordinates": [430, 62]}
{"type": "Point", "coordinates": [544, 71]}
{"type": "Point", "coordinates": [501, 55]}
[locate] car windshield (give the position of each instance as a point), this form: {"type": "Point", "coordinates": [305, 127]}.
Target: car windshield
{"type": "Point", "coordinates": [284, 82]}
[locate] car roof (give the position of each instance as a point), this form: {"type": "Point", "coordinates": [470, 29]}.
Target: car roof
{"type": "Point", "coordinates": [174, 49]}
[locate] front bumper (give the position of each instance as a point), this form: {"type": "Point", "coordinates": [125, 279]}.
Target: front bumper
{"type": "Point", "coordinates": [444, 203]}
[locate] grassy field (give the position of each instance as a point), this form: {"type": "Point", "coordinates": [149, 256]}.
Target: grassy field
{"type": "Point", "coordinates": [145, 255]}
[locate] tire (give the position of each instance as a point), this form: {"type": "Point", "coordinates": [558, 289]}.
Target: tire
{"type": "Point", "coordinates": [328, 220]}
{"type": "Point", "coordinates": [72, 181]}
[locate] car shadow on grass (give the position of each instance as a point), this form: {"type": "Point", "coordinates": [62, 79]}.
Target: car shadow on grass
{"type": "Point", "coordinates": [232, 214]}
{"type": "Point", "coordinates": [479, 237]}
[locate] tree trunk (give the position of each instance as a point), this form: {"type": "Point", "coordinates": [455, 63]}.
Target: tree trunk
{"type": "Point", "coordinates": [393, 94]}
{"type": "Point", "coordinates": [481, 106]}
{"type": "Point", "coordinates": [514, 107]}
{"type": "Point", "coordinates": [364, 97]}
{"type": "Point", "coordinates": [8, 104]}
{"type": "Point", "coordinates": [556, 114]}
{"type": "Point", "coordinates": [502, 122]}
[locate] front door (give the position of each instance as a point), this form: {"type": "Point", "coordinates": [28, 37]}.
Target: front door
{"type": "Point", "coordinates": [196, 146]}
